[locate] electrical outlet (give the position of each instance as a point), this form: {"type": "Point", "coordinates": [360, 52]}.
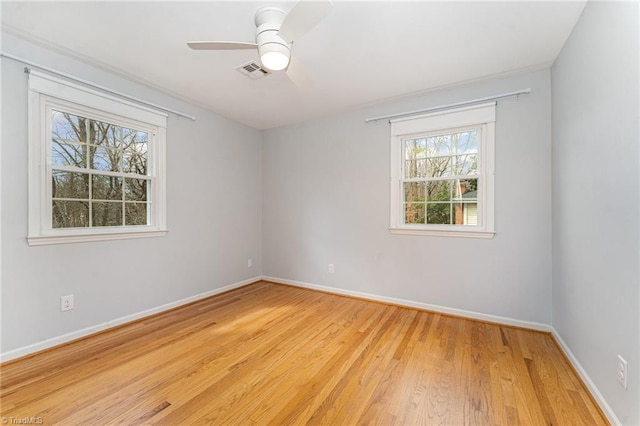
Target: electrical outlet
{"type": "Point", "coordinates": [249, 263]}
{"type": "Point", "coordinates": [66, 303]}
{"type": "Point", "coordinates": [331, 268]}
{"type": "Point", "coordinates": [622, 372]}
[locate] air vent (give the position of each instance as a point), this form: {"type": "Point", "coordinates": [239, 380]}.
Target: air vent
{"type": "Point", "coordinates": [253, 70]}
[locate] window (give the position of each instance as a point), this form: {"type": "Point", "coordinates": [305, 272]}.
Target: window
{"type": "Point", "coordinates": [96, 165]}
{"type": "Point", "coordinates": [442, 173]}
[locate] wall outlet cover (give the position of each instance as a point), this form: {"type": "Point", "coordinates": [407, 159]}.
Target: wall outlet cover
{"type": "Point", "coordinates": [66, 303]}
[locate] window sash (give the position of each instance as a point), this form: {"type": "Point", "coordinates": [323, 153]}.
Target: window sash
{"type": "Point", "coordinates": [65, 107]}
{"type": "Point", "coordinates": [445, 178]}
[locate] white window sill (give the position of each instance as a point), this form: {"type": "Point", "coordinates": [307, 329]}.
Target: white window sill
{"type": "Point", "coordinates": [81, 238]}
{"type": "Point", "coordinates": [457, 233]}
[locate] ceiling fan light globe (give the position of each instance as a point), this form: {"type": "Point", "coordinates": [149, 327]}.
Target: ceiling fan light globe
{"type": "Point", "coordinates": [275, 61]}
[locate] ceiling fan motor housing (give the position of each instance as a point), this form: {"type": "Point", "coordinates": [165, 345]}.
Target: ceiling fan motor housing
{"type": "Point", "coordinates": [268, 21]}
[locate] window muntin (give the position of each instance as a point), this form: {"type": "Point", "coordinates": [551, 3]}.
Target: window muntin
{"type": "Point", "coordinates": [442, 173]}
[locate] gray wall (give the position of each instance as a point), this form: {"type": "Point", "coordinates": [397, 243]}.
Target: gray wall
{"type": "Point", "coordinates": [326, 200]}
{"type": "Point", "coordinates": [596, 199]}
{"type": "Point", "coordinates": [214, 211]}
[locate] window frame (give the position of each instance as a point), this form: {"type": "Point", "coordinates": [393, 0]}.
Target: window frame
{"type": "Point", "coordinates": [480, 117]}
{"type": "Point", "coordinates": [47, 93]}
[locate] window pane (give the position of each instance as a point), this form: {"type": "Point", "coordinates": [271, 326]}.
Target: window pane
{"type": "Point", "coordinates": [106, 214]}
{"type": "Point", "coordinates": [439, 213]}
{"type": "Point", "coordinates": [465, 213]}
{"type": "Point", "coordinates": [439, 190]}
{"type": "Point", "coordinates": [413, 191]}
{"type": "Point", "coordinates": [68, 154]}
{"type": "Point", "coordinates": [136, 214]}
{"type": "Point", "coordinates": [414, 149]}
{"type": "Point", "coordinates": [466, 142]}
{"type": "Point", "coordinates": [131, 138]}
{"type": "Point", "coordinates": [439, 146]}
{"type": "Point", "coordinates": [415, 168]}
{"type": "Point", "coordinates": [68, 127]}
{"type": "Point", "coordinates": [135, 189]}
{"type": "Point", "coordinates": [105, 159]}
{"type": "Point", "coordinates": [414, 213]}
{"type": "Point", "coordinates": [466, 189]}
{"type": "Point", "coordinates": [70, 185]}
{"type": "Point", "coordinates": [135, 159]}
{"type": "Point", "coordinates": [70, 214]}
{"type": "Point", "coordinates": [107, 135]}
{"type": "Point", "coordinates": [439, 166]}
{"type": "Point", "coordinates": [466, 164]}
{"type": "Point", "coordinates": [471, 214]}
{"type": "Point", "coordinates": [106, 187]}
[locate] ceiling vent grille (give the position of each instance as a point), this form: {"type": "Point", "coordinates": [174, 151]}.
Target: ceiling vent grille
{"type": "Point", "coordinates": [253, 70]}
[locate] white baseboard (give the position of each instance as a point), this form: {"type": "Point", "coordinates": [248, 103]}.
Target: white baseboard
{"type": "Point", "coordinates": [606, 409]}
{"type": "Point", "coordinates": [412, 304]}
{"type": "Point", "coordinates": [49, 343]}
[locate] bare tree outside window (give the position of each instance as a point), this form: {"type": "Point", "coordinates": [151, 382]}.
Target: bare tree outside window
{"type": "Point", "coordinates": [440, 181]}
{"type": "Point", "coordinates": [99, 173]}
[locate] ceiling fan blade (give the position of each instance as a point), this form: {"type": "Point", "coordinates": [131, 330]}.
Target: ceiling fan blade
{"type": "Point", "coordinates": [299, 74]}
{"type": "Point", "coordinates": [220, 45]}
{"type": "Point", "coordinates": [304, 16]}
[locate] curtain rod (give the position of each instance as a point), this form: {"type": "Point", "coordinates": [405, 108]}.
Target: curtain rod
{"type": "Point", "coordinates": [95, 86]}
{"type": "Point", "coordinates": [457, 104]}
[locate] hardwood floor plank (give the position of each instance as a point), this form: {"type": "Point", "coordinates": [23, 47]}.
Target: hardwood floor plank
{"type": "Point", "coordinates": [317, 384]}
{"type": "Point", "coordinates": [425, 356]}
{"type": "Point", "coordinates": [273, 354]}
{"type": "Point", "coordinates": [389, 376]}
{"type": "Point", "coordinates": [261, 356]}
{"type": "Point", "coordinates": [409, 373]}
{"type": "Point", "coordinates": [542, 397]}
{"type": "Point", "coordinates": [418, 405]}
{"type": "Point", "coordinates": [291, 366]}
{"type": "Point", "coordinates": [357, 383]}
{"type": "Point", "coordinates": [310, 393]}
{"type": "Point", "coordinates": [527, 403]}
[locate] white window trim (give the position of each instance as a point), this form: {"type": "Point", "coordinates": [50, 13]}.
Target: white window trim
{"type": "Point", "coordinates": [46, 92]}
{"type": "Point", "coordinates": [482, 116]}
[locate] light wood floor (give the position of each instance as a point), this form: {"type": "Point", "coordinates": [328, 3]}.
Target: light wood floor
{"type": "Point", "coordinates": [272, 354]}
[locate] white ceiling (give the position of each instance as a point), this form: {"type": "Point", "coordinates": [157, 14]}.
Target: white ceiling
{"type": "Point", "coordinates": [362, 52]}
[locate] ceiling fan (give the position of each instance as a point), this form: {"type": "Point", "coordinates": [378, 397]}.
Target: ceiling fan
{"type": "Point", "coordinates": [276, 31]}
